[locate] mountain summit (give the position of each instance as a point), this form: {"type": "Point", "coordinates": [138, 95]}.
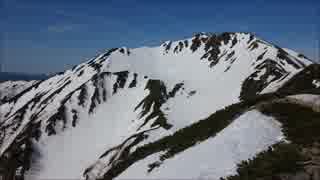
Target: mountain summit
{"type": "Point", "coordinates": [194, 108]}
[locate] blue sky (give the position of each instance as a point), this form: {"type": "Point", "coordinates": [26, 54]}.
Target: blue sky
{"type": "Point", "coordinates": [42, 36]}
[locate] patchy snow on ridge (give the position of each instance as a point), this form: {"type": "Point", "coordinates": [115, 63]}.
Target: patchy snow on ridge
{"type": "Point", "coordinates": [78, 147]}
{"type": "Point", "coordinates": [217, 157]}
{"type": "Point", "coordinates": [8, 89]}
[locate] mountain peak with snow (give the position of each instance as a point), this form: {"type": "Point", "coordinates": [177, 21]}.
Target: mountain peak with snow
{"type": "Point", "coordinates": [148, 112]}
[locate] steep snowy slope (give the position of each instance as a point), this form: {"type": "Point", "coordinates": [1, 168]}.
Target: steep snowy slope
{"type": "Point", "coordinates": [87, 121]}
{"type": "Point", "coordinates": [8, 89]}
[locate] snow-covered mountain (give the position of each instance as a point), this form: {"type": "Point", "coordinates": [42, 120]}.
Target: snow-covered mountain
{"type": "Point", "coordinates": [11, 88]}
{"type": "Point", "coordinates": [185, 109]}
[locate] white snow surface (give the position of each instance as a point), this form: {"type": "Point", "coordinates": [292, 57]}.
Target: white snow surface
{"type": "Point", "coordinates": [9, 89]}
{"type": "Point", "coordinates": [217, 157]}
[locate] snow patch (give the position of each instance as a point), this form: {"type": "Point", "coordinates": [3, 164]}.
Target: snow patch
{"type": "Point", "coordinates": [316, 83]}
{"type": "Point", "coordinates": [217, 157]}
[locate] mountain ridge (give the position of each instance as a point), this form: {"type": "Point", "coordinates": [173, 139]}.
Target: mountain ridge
{"type": "Point", "coordinates": [153, 87]}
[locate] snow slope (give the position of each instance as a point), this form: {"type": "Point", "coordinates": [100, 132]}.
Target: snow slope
{"type": "Point", "coordinates": [88, 116]}
{"type": "Point", "coordinates": [12, 88]}
{"type": "Point", "coordinates": [217, 157]}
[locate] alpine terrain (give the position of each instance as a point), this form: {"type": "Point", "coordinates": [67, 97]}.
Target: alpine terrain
{"type": "Point", "coordinates": [228, 106]}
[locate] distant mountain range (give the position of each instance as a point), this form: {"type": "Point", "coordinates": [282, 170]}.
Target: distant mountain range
{"type": "Point", "coordinates": [15, 76]}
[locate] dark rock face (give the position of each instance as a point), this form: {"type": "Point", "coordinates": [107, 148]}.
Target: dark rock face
{"type": "Point", "coordinates": [212, 45]}
{"type": "Point", "coordinates": [168, 46]}
{"type": "Point", "coordinates": [157, 97]}
{"type": "Point", "coordinates": [18, 156]}
{"type": "Point", "coordinates": [134, 81]}
{"type": "Point", "coordinates": [303, 81]}
{"type": "Point", "coordinates": [254, 84]}
{"type": "Point", "coordinates": [121, 80]}
{"type": "Point", "coordinates": [196, 42]}
{"type": "Point", "coordinates": [283, 55]}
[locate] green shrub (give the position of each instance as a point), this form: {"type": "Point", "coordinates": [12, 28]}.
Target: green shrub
{"type": "Point", "coordinates": [300, 124]}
